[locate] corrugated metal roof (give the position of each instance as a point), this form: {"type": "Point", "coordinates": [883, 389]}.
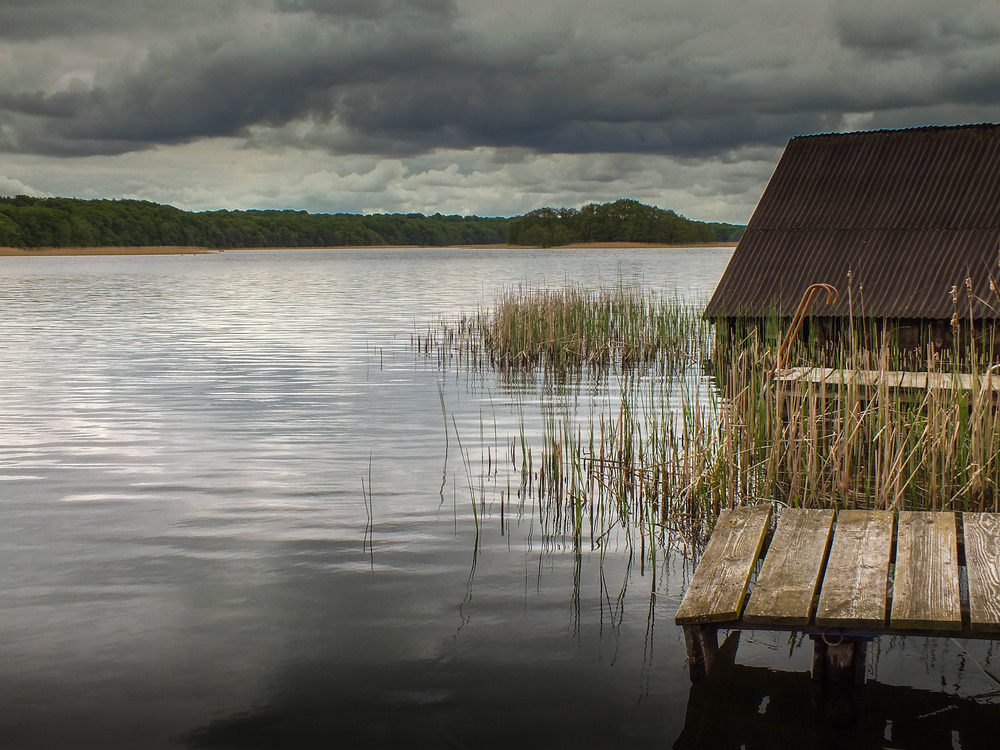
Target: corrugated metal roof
{"type": "Point", "coordinates": [908, 213]}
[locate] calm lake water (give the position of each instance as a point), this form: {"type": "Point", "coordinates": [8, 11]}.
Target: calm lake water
{"type": "Point", "coordinates": [231, 516]}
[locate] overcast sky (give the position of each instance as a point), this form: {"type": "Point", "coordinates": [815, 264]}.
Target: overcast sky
{"type": "Point", "coordinates": [493, 107]}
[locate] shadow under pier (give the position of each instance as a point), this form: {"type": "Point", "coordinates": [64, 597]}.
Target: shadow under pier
{"type": "Point", "coordinates": [757, 707]}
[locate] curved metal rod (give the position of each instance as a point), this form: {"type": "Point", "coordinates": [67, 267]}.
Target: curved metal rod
{"type": "Point", "coordinates": [832, 295]}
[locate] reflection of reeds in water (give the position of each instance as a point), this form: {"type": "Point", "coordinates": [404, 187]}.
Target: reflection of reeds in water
{"type": "Point", "coordinates": [683, 436]}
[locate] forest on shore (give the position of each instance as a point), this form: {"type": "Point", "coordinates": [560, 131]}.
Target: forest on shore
{"type": "Point", "coordinates": [28, 222]}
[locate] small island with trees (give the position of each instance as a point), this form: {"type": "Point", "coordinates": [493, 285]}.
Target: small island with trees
{"type": "Point", "coordinates": [624, 220]}
{"type": "Point", "coordinates": [27, 222]}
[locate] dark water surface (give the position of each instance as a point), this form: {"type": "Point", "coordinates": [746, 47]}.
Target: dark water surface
{"type": "Point", "coordinates": [230, 516]}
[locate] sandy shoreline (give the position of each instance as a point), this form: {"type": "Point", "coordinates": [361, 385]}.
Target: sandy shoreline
{"type": "Point", "coordinates": [63, 251]}
{"type": "Point", "coordinates": [191, 250]}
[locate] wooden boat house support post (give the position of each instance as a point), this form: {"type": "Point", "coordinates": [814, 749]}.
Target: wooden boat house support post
{"type": "Point", "coordinates": [702, 643]}
{"type": "Point", "coordinates": [841, 661]}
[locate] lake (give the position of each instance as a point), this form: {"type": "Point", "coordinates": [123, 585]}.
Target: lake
{"type": "Point", "coordinates": [236, 511]}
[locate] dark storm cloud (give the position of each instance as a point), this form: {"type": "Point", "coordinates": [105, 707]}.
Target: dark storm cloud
{"type": "Point", "coordinates": [372, 9]}
{"type": "Point", "coordinates": [403, 77]}
{"type": "Point", "coordinates": [219, 81]}
{"type": "Point", "coordinates": [393, 91]}
{"type": "Point", "coordinates": [894, 29]}
{"type": "Point", "coordinates": [52, 19]}
{"type": "Point", "coordinates": [29, 19]}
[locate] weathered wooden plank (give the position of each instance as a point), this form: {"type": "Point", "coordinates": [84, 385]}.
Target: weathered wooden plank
{"type": "Point", "coordinates": [826, 375]}
{"type": "Point", "coordinates": [913, 380]}
{"type": "Point", "coordinates": [906, 381]}
{"type": "Point", "coordinates": [848, 377]}
{"type": "Point", "coordinates": [926, 589]}
{"type": "Point", "coordinates": [795, 375]}
{"type": "Point", "coordinates": [789, 577]}
{"type": "Point", "coordinates": [945, 381]}
{"type": "Point", "coordinates": [855, 586]}
{"type": "Point", "coordinates": [982, 559]}
{"type": "Point", "coordinates": [893, 378]}
{"type": "Point", "coordinates": [791, 374]}
{"type": "Point", "coordinates": [719, 585]}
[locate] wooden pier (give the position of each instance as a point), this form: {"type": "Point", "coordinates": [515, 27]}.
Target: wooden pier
{"type": "Point", "coordinates": [797, 380]}
{"type": "Point", "coordinates": [843, 579]}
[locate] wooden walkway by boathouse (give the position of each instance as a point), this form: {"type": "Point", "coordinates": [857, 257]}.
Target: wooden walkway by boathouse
{"type": "Point", "coordinates": [825, 381]}
{"type": "Point", "coordinates": [843, 578]}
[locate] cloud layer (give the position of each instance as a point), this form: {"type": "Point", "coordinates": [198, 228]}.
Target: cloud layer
{"type": "Point", "coordinates": [467, 105]}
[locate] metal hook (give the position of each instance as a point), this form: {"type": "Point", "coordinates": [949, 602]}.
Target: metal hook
{"type": "Point", "coordinates": [832, 295]}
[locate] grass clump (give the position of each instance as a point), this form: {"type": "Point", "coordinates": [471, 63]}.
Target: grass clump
{"type": "Point", "coordinates": [572, 331]}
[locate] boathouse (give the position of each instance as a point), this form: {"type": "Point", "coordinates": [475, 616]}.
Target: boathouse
{"type": "Point", "coordinates": [904, 223]}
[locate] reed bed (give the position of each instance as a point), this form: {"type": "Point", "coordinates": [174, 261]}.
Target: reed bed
{"type": "Point", "coordinates": [679, 435]}
{"type": "Point", "coordinates": [571, 331]}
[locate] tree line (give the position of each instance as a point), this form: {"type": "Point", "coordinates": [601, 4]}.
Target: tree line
{"type": "Point", "coordinates": [68, 222]}
{"type": "Point", "coordinates": [27, 222]}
